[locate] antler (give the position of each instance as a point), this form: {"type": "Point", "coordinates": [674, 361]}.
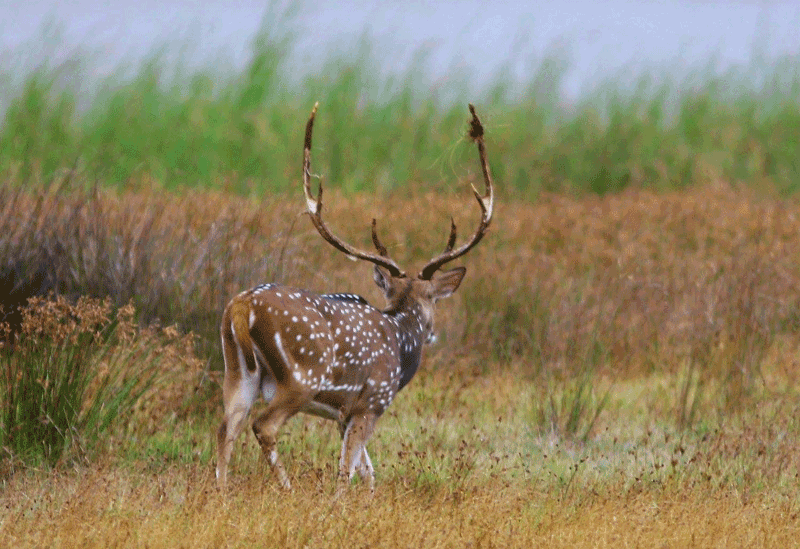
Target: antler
{"type": "Point", "coordinates": [314, 206]}
{"type": "Point", "coordinates": [486, 203]}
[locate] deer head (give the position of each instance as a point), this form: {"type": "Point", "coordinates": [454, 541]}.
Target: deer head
{"type": "Point", "coordinates": [429, 285]}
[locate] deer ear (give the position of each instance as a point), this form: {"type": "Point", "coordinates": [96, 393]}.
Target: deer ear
{"type": "Point", "coordinates": [381, 278]}
{"type": "Point", "coordinates": [444, 284]}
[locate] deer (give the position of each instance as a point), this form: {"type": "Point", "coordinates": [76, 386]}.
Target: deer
{"type": "Point", "coordinates": [334, 355]}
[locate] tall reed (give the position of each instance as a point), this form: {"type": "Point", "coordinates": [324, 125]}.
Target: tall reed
{"type": "Point", "coordinates": [169, 121]}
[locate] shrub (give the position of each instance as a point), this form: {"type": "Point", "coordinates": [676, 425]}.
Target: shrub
{"type": "Point", "coordinates": [76, 371]}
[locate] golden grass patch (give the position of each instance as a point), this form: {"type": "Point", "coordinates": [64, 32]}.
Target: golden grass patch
{"type": "Point", "coordinates": [178, 507]}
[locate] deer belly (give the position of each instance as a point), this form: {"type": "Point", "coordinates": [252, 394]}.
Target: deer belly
{"type": "Point", "coordinates": [322, 410]}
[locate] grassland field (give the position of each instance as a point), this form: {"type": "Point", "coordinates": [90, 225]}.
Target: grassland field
{"type": "Point", "coordinates": [615, 371]}
{"type": "Point", "coordinates": [619, 368]}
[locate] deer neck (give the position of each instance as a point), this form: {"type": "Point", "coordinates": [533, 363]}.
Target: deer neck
{"type": "Point", "coordinates": [411, 336]}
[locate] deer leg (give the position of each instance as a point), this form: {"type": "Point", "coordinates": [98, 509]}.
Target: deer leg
{"type": "Point", "coordinates": [266, 427]}
{"type": "Point", "coordinates": [365, 470]}
{"type": "Point", "coordinates": [354, 452]}
{"type": "Point", "coordinates": [238, 396]}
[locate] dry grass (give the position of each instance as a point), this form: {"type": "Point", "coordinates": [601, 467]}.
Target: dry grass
{"type": "Point", "coordinates": [102, 508]}
{"type": "Point", "coordinates": [614, 372]}
{"type": "Point", "coordinates": [452, 472]}
{"type": "Point", "coordinates": [645, 282]}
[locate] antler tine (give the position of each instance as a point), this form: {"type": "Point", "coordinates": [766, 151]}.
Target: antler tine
{"type": "Point", "coordinates": [314, 206]}
{"type": "Point", "coordinates": [451, 240]}
{"type": "Point", "coordinates": [376, 241]}
{"type": "Point", "coordinates": [311, 203]}
{"type": "Point", "coordinates": [486, 203]}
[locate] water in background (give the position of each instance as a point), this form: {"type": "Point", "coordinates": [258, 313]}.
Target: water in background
{"type": "Point", "coordinates": [597, 39]}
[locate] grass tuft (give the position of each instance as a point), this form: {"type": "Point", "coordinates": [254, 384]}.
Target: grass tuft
{"type": "Point", "coordinates": [76, 374]}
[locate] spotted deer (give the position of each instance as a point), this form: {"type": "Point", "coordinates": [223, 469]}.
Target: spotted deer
{"type": "Point", "coordinates": [334, 355]}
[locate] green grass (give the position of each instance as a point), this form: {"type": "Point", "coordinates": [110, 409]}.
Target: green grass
{"type": "Point", "coordinates": [168, 121]}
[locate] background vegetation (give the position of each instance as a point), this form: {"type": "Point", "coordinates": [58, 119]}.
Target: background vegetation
{"type": "Point", "coordinates": [172, 123]}
{"type": "Point", "coordinates": [619, 366]}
